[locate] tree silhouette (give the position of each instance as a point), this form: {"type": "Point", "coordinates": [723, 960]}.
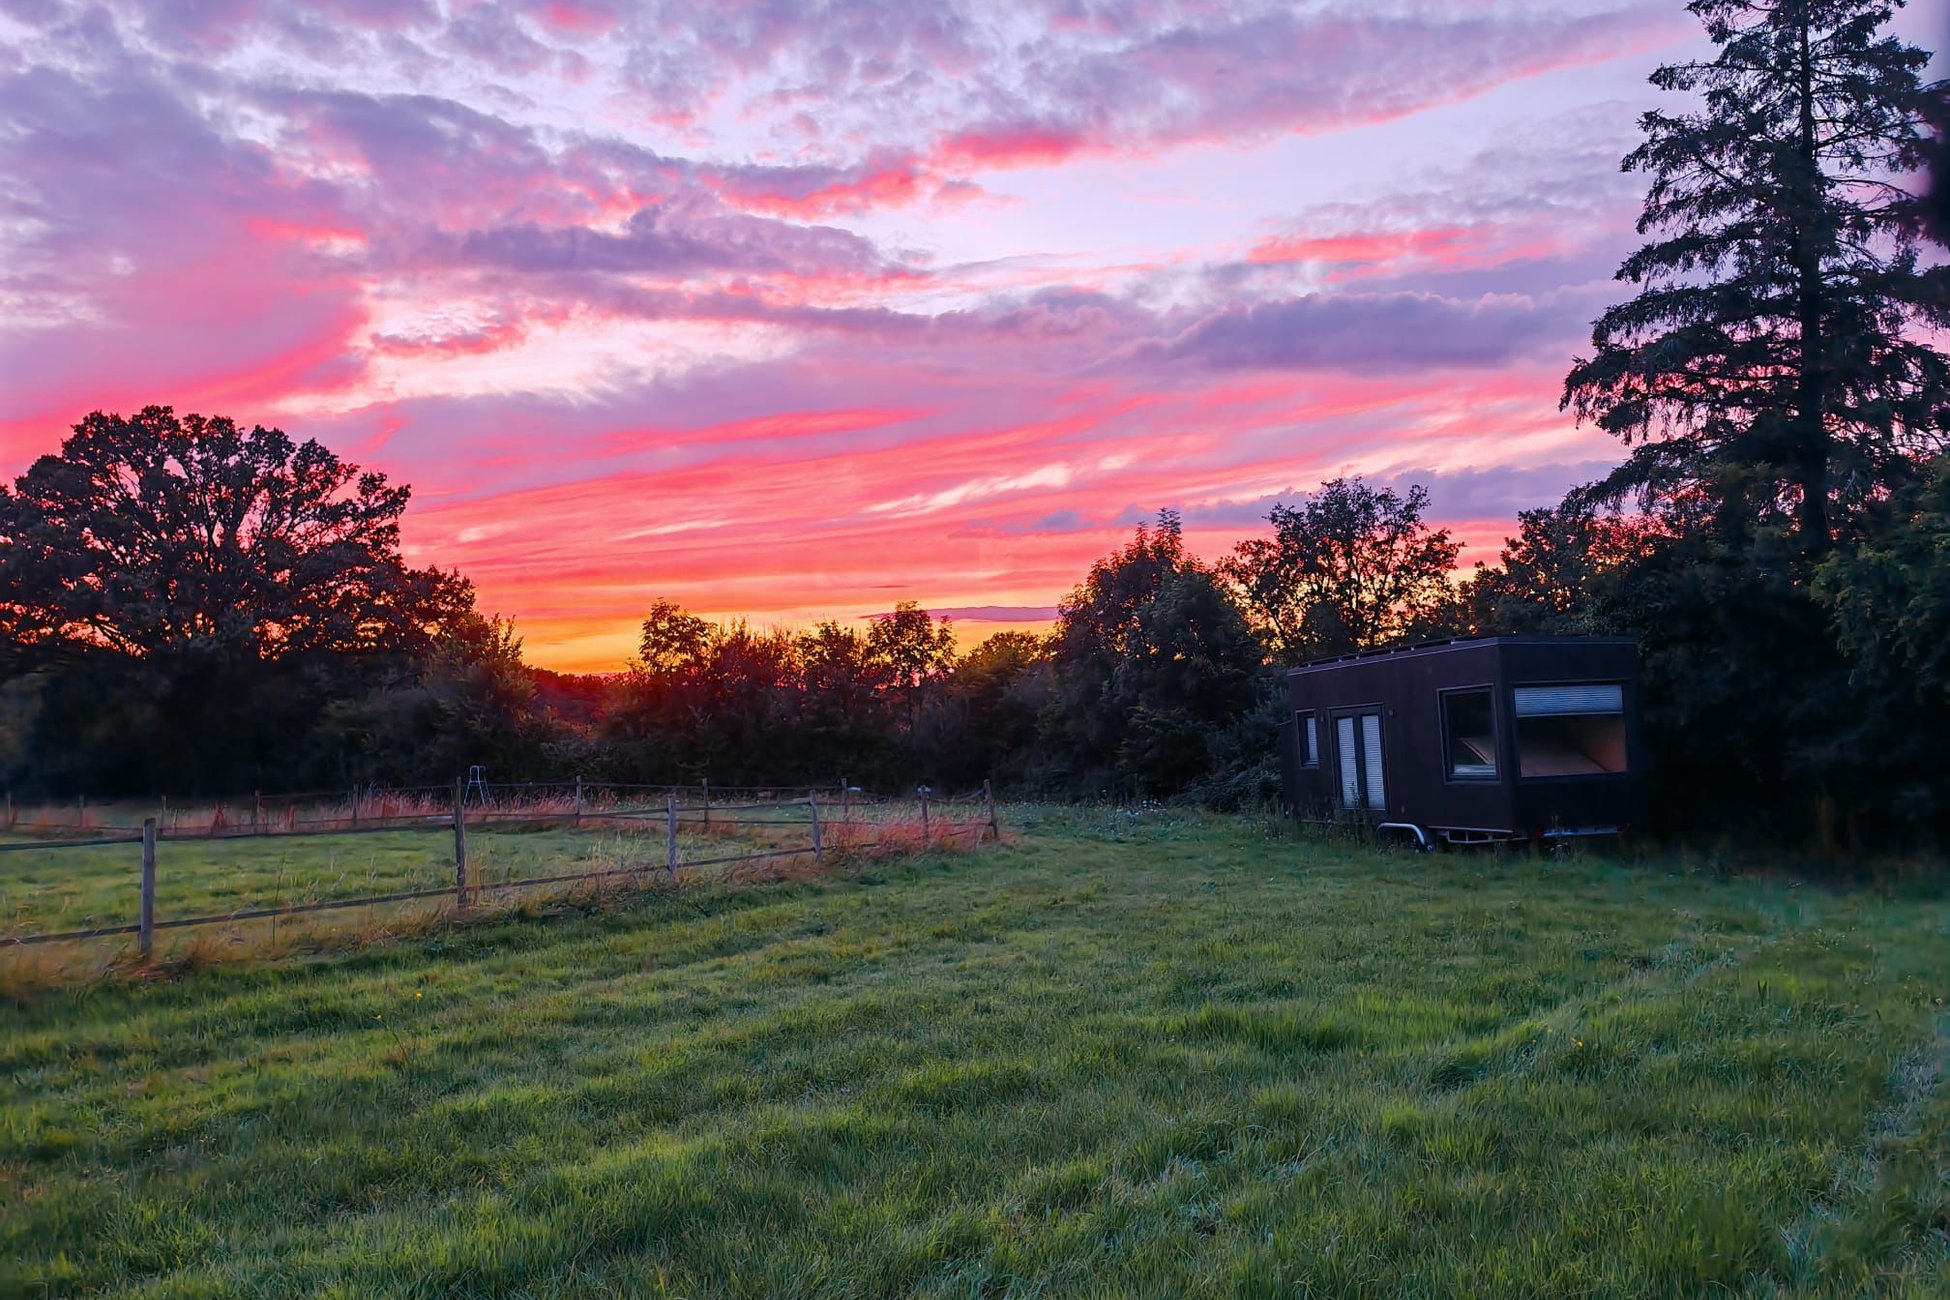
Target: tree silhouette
{"type": "Point", "coordinates": [1547, 576]}
{"type": "Point", "coordinates": [1152, 662]}
{"type": "Point", "coordinates": [1772, 351]}
{"type": "Point", "coordinates": [1349, 568]}
{"type": "Point", "coordinates": [911, 650]}
{"type": "Point", "coordinates": [674, 642]}
{"type": "Point", "coordinates": [909, 646]}
{"type": "Point", "coordinates": [158, 537]}
{"type": "Point", "coordinates": [182, 600]}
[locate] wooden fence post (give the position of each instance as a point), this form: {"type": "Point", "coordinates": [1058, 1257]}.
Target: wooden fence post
{"type": "Point", "coordinates": [460, 847]}
{"type": "Point", "coordinates": [924, 817]}
{"type": "Point", "coordinates": [578, 801]}
{"type": "Point", "coordinates": [257, 810]}
{"type": "Point", "coordinates": [670, 835]}
{"type": "Point", "coordinates": [988, 797]}
{"type": "Point", "coordinates": [812, 802]}
{"type": "Point", "coordinates": [146, 933]}
{"type": "Point", "coordinates": [706, 786]}
{"type": "Point", "coordinates": [355, 805]}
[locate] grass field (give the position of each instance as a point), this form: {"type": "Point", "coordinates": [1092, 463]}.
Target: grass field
{"type": "Point", "coordinates": [45, 890]}
{"type": "Point", "coordinates": [62, 889]}
{"type": "Point", "coordinates": [1123, 1055]}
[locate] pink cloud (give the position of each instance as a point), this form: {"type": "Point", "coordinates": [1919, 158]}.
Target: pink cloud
{"type": "Point", "coordinates": [1362, 246]}
{"type": "Point", "coordinates": [785, 425]}
{"type": "Point", "coordinates": [577, 19]}
{"type": "Point", "coordinates": [496, 337]}
{"type": "Point", "coordinates": [884, 179]}
{"type": "Point", "coordinates": [1012, 146]}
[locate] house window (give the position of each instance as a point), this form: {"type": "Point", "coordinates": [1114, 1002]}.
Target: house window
{"type": "Point", "coordinates": [1309, 748]}
{"type": "Point", "coordinates": [1469, 732]}
{"type": "Point", "coordinates": [1570, 730]}
{"type": "Point", "coordinates": [1357, 752]}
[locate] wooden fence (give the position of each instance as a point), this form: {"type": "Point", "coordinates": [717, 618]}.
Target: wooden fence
{"type": "Point", "coordinates": [528, 806]}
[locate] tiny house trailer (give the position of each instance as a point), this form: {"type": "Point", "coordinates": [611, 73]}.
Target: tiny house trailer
{"type": "Point", "coordinates": [1480, 741]}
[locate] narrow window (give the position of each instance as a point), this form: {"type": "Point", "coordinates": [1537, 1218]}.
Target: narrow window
{"type": "Point", "coordinates": [1309, 748]}
{"type": "Point", "coordinates": [1371, 750]}
{"type": "Point", "coordinates": [1570, 730]}
{"type": "Point", "coordinates": [1350, 761]}
{"type": "Point", "coordinates": [1469, 726]}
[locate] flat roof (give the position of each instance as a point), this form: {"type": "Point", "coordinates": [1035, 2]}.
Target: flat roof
{"type": "Point", "coordinates": [1455, 643]}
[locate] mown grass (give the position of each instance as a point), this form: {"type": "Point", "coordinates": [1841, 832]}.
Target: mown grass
{"type": "Point", "coordinates": [1121, 1055]}
{"type": "Point", "coordinates": [44, 890]}
{"type": "Point", "coordinates": [61, 889]}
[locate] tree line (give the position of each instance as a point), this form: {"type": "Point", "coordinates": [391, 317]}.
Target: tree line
{"type": "Point", "coordinates": [186, 605]}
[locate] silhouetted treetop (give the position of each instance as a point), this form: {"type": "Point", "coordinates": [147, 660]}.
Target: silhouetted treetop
{"type": "Point", "coordinates": [161, 534]}
{"type": "Point", "coordinates": [1778, 348]}
{"type": "Point", "coordinates": [1350, 567]}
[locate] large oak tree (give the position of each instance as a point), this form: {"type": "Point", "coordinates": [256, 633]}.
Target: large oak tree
{"type": "Point", "coordinates": [183, 600]}
{"type": "Point", "coordinates": [159, 535]}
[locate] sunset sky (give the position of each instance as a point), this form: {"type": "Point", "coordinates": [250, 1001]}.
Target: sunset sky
{"type": "Point", "coordinates": [795, 309]}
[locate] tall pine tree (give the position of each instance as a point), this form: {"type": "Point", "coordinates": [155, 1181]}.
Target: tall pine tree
{"type": "Point", "coordinates": [1776, 355]}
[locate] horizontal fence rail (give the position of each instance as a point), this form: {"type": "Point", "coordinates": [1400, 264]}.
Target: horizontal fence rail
{"type": "Point", "coordinates": [822, 812]}
{"type": "Point", "coordinates": [331, 812]}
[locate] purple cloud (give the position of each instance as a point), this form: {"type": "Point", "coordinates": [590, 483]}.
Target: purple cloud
{"type": "Point", "coordinates": [1393, 331]}
{"type": "Point", "coordinates": [679, 237]}
{"type": "Point", "coordinates": [1489, 492]}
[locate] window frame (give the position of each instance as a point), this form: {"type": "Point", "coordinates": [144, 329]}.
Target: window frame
{"type": "Point", "coordinates": [1449, 774]}
{"type": "Point", "coordinates": [1626, 721]}
{"type": "Point", "coordinates": [1378, 711]}
{"type": "Point", "coordinates": [1306, 727]}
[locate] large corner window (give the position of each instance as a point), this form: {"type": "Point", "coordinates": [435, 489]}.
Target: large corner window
{"type": "Point", "coordinates": [1309, 739]}
{"type": "Point", "coordinates": [1357, 749]}
{"type": "Point", "coordinates": [1570, 730]}
{"type": "Point", "coordinates": [1469, 731]}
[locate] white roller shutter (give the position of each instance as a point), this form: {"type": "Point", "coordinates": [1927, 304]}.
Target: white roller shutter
{"type": "Point", "coordinates": [1558, 701]}
{"type": "Point", "coordinates": [1349, 761]}
{"type": "Point", "coordinates": [1371, 751]}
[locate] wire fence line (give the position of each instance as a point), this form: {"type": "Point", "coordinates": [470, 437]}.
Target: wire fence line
{"type": "Point", "coordinates": [826, 831]}
{"type": "Point", "coordinates": [389, 807]}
